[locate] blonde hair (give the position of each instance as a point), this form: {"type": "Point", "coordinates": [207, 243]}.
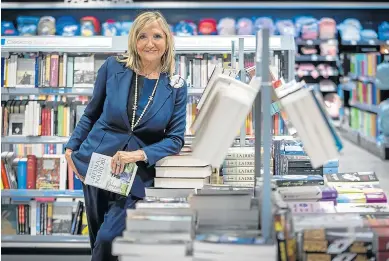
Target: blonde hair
{"type": "Point", "coordinates": [131, 57]}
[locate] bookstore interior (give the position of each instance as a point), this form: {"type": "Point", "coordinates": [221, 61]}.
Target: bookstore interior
{"type": "Point", "coordinates": [286, 141]}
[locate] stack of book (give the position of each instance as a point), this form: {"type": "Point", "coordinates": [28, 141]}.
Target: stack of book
{"type": "Point", "coordinates": [239, 167]}
{"type": "Point", "coordinates": [182, 171]}
{"type": "Point", "coordinates": [343, 237]}
{"type": "Point", "coordinates": [224, 208]}
{"type": "Point", "coordinates": [309, 199]}
{"type": "Point", "coordinates": [157, 225]}
{"type": "Point", "coordinates": [356, 188]}
{"type": "Point", "coordinates": [227, 225]}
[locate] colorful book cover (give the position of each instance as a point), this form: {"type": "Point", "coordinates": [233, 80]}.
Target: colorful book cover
{"type": "Point", "coordinates": [309, 192]}
{"type": "Point", "coordinates": [352, 177]}
{"type": "Point", "coordinates": [99, 174]}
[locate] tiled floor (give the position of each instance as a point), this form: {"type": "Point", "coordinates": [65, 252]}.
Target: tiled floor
{"type": "Point", "coordinates": [354, 158]}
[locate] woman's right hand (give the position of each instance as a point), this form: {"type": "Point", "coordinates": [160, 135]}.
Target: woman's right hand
{"type": "Point", "coordinates": [68, 157]}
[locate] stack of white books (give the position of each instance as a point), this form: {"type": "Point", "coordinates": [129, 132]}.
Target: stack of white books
{"type": "Point", "coordinates": [155, 226]}
{"type": "Point", "coordinates": [182, 171]}
{"type": "Point", "coordinates": [221, 208]}
{"type": "Point", "coordinates": [239, 166]}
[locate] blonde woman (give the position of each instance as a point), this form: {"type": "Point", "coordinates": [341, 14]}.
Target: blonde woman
{"type": "Point", "coordinates": [137, 114]}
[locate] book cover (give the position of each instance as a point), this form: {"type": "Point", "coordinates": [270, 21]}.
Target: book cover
{"type": "Point", "coordinates": [352, 177]}
{"type": "Point", "coordinates": [99, 174]}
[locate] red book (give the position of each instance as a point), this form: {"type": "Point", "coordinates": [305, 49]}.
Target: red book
{"type": "Point", "coordinates": [4, 177]}
{"type": "Point", "coordinates": [31, 172]}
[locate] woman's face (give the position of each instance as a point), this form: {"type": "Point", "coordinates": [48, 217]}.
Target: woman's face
{"type": "Point", "coordinates": [151, 43]}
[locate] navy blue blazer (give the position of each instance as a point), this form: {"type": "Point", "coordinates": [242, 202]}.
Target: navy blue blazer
{"type": "Point", "coordinates": [105, 128]}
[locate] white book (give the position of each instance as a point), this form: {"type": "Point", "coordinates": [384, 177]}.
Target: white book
{"type": "Point", "coordinates": [306, 117]}
{"type": "Point", "coordinates": [180, 161]}
{"type": "Point", "coordinates": [220, 118]}
{"type": "Point", "coordinates": [183, 172]}
{"type": "Point", "coordinates": [180, 182]}
{"type": "Point", "coordinates": [25, 73]}
{"type": "Point", "coordinates": [99, 174]}
{"type": "Point", "coordinates": [84, 72]}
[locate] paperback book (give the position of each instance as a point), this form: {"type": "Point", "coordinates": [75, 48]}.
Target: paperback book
{"type": "Point", "coordinates": [100, 175]}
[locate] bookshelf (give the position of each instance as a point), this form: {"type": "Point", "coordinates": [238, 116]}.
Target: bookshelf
{"type": "Point", "coordinates": [194, 5]}
{"type": "Point", "coordinates": [26, 241]}
{"type": "Point", "coordinates": [34, 140]}
{"type": "Point", "coordinates": [361, 97]}
{"type": "Point", "coordinates": [118, 44]}
{"type": "Point", "coordinates": [66, 91]}
{"type": "Point", "coordinates": [33, 193]}
{"type": "Point", "coordinates": [111, 45]}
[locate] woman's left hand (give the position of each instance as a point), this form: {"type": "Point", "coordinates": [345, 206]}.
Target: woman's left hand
{"type": "Point", "coordinates": [121, 158]}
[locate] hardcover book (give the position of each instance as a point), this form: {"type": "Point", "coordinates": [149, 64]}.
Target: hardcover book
{"type": "Point", "coordinates": [99, 174]}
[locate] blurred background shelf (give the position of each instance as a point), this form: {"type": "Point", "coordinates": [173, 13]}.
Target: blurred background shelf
{"type": "Point", "coordinates": [197, 5]}
{"type": "Point", "coordinates": [33, 193]}
{"type": "Point", "coordinates": [34, 140]}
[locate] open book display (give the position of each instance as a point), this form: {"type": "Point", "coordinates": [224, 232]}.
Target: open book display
{"type": "Point", "coordinates": [99, 175]}
{"type": "Point", "coordinates": [305, 110]}
{"type": "Point", "coordinates": [225, 107]}
{"type": "Point", "coordinates": [216, 71]}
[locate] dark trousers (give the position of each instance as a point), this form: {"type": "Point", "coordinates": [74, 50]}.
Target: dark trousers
{"type": "Point", "coordinates": [106, 215]}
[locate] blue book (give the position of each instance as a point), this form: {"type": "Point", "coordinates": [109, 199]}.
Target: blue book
{"type": "Point", "coordinates": [330, 170]}
{"type": "Point", "coordinates": [22, 174]}
{"type": "Point", "coordinates": [77, 182]}
{"type": "Point", "coordinates": [2, 71]}
{"type": "Point", "coordinates": [332, 164]}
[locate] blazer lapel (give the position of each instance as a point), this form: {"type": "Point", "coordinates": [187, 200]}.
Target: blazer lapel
{"type": "Point", "coordinates": [162, 93]}
{"type": "Point", "coordinates": [124, 84]}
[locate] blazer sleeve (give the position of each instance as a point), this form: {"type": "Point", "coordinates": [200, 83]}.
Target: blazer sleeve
{"type": "Point", "coordinates": [92, 111]}
{"type": "Point", "coordinates": [174, 137]}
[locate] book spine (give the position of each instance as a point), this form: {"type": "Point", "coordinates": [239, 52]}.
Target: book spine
{"type": "Point", "coordinates": [238, 163]}
{"type": "Point", "coordinates": [54, 63]}
{"type": "Point", "coordinates": [238, 170]}
{"type": "Point", "coordinates": [297, 183]}
{"type": "Point", "coordinates": [238, 178]}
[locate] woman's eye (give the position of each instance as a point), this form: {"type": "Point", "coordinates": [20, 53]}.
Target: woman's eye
{"type": "Point", "coordinates": [142, 37]}
{"type": "Point", "coordinates": [157, 36]}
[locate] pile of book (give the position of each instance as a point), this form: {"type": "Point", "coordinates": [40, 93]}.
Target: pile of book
{"type": "Point", "coordinates": [343, 236]}
{"type": "Point", "coordinates": [238, 167]}
{"type": "Point", "coordinates": [182, 171]}
{"type": "Point", "coordinates": [290, 158]}
{"type": "Point", "coordinates": [356, 189]}
{"type": "Point", "coordinates": [227, 225]}
{"type": "Point", "coordinates": [158, 229]}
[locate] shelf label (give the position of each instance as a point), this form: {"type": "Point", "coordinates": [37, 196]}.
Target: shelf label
{"type": "Point", "coordinates": [309, 42]}
{"type": "Point", "coordinates": [314, 57]}
{"type": "Point", "coordinates": [353, 42]}
{"type": "Point", "coordinates": [57, 42]}
{"type": "Point", "coordinates": [371, 42]}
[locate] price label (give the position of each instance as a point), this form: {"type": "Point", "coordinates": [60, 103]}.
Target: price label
{"type": "Point", "coordinates": [371, 42]}
{"type": "Point", "coordinates": [353, 42]}
{"type": "Point", "coordinates": [314, 57]}
{"type": "Point", "coordinates": [309, 42]}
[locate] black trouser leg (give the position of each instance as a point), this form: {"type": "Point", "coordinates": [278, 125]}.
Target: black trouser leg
{"type": "Point", "coordinates": [96, 205]}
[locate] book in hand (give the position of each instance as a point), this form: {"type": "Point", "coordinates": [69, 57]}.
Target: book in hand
{"type": "Point", "coordinates": [100, 175]}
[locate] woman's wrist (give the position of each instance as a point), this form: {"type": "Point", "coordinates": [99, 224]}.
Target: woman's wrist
{"type": "Point", "coordinates": [142, 155]}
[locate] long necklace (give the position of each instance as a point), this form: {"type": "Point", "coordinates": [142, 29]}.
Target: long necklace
{"type": "Point", "coordinates": [133, 123]}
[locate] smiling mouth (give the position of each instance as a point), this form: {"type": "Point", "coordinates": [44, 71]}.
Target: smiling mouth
{"type": "Point", "coordinates": [151, 51]}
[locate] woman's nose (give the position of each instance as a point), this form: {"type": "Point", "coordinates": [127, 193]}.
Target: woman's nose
{"type": "Point", "coordinates": [150, 43]}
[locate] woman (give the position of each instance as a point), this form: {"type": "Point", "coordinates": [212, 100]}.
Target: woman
{"type": "Point", "coordinates": [137, 114]}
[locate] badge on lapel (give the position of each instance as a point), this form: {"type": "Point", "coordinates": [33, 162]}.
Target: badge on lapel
{"type": "Point", "coordinates": [176, 81]}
